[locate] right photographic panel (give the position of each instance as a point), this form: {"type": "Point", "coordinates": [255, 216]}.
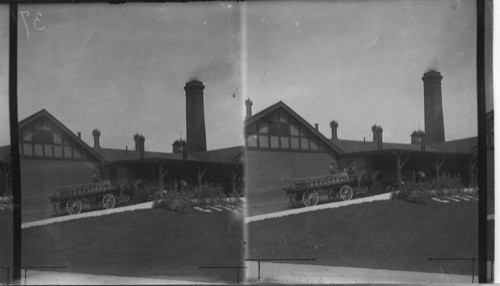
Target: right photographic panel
{"type": "Point", "coordinates": [361, 136]}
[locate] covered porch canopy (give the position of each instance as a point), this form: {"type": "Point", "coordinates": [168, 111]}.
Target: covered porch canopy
{"type": "Point", "coordinates": [169, 171]}
{"type": "Point", "coordinates": [405, 163]}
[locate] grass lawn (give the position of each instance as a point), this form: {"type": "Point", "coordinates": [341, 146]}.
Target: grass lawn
{"type": "Point", "coordinates": [6, 242]}
{"type": "Point", "coordinates": [272, 200]}
{"type": "Point", "coordinates": [382, 235]}
{"type": "Point", "coordinates": [143, 243]}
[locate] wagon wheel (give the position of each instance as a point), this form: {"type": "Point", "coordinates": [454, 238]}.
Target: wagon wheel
{"type": "Point", "coordinates": [295, 200]}
{"type": "Point", "coordinates": [74, 206]}
{"type": "Point", "coordinates": [346, 193]}
{"type": "Point", "coordinates": [108, 201]}
{"type": "Point", "coordinates": [310, 198]}
{"type": "Point", "coordinates": [389, 189]}
{"type": "Point", "coordinates": [57, 208]}
{"type": "Point", "coordinates": [95, 203]}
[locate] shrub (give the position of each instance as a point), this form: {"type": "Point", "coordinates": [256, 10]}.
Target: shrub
{"type": "Point", "coordinates": [202, 196]}
{"type": "Point", "coordinates": [445, 185]}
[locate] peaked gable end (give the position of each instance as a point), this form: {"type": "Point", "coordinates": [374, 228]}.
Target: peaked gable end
{"type": "Point", "coordinates": [280, 128]}
{"type": "Point", "coordinates": [43, 136]}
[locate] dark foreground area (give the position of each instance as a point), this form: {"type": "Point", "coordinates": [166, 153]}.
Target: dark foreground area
{"type": "Point", "coordinates": [6, 242]}
{"type": "Point", "coordinates": [392, 235]}
{"type": "Point", "coordinates": [143, 243]}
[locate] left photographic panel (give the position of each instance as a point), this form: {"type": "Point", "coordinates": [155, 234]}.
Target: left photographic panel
{"type": "Point", "coordinates": [6, 198]}
{"type": "Point", "coordinates": [130, 143]}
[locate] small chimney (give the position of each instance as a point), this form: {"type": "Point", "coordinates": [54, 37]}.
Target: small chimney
{"type": "Point", "coordinates": [416, 137]}
{"type": "Point", "coordinates": [180, 147]}
{"type": "Point", "coordinates": [334, 125]}
{"type": "Point", "coordinates": [126, 150]}
{"type": "Point", "coordinates": [316, 126]}
{"type": "Point", "coordinates": [79, 135]}
{"type": "Point", "coordinates": [96, 133]}
{"type": "Point", "coordinates": [248, 104]}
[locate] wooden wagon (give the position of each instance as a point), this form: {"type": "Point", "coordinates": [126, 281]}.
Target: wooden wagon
{"type": "Point", "coordinates": [306, 191]}
{"type": "Point", "coordinates": [69, 199]}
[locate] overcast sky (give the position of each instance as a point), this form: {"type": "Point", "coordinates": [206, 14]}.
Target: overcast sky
{"type": "Point", "coordinates": [122, 68]}
{"type": "Point", "coordinates": [361, 63]}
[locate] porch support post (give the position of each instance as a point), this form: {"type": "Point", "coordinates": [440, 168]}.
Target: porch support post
{"type": "Point", "coordinates": [160, 176]}
{"type": "Point", "coordinates": [398, 169]}
{"type": "Point", "coordinates": [471, 166]}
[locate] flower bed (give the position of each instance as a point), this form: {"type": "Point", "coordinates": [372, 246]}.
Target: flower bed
{"type": "Point", "coordinates": [187, 200]}
{"type": "Point", "coordinates": [445, 185]}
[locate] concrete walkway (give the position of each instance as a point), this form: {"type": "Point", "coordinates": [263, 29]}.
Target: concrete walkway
{"type": "Point", "coordinates": [65, 278]}
{"type": "Point", "coordinates": [380, 197]}
{"type": "Point", "coordinates": [146, 205]}
{"type": "Point", "coordinates": [287, 273]}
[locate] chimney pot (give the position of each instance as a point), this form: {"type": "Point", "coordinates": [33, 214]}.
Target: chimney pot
{"type": "Point", "coordinates": [316, 126]}
{"type": "Point", "coordinates": [248, 104]}
{"type": "Point", "coordinates": [334, 125]}
{"type": "Point", "coordinates": [79, 135]}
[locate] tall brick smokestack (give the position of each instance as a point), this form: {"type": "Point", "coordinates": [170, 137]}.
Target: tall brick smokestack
{"type": "Point", "coordinates": [433, 104]}
{"type": "Point", "coordinates": [195, 117]}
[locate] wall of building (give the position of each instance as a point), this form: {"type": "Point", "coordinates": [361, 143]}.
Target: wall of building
{"type": "Point", "coordinates": [272, 170]}
{"type": "Point", "coordinates": [39, 177]}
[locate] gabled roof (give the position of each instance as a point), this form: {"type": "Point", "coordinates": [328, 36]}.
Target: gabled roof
{"type": "Point", "coordinates": [281, 105]}
{"type": "Point", "coordinates": [69, 133]}
{"type": "Point", "coordinates": [225, 155]}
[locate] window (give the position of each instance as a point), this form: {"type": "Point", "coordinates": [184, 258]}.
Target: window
{"type": "Point", "coordinates": [67, 151]}
{"type": "Point", "coordinates": [294, 143]}
{"type": "Point", "coordinates": [263, 141]}
{"type": "Point", "coordinates": [252, 141]}
{"type": "Point", "coordinates": [284, 142]}
{"type": "Point", "coordinates": [26, 135]}
{"type": "Point", "coordinates": [57, 138]}
{"type": "Point", "coordinates": [279, 128]}
{"type": "Point", "coordinates": [275, 143]}
{"type": "Point", "coordinates": [304, 143]}
{"type": "Point", "coordinates": [27, 149]}
{"type": "Point", "coordinates": [48, 150]}
{"type": "Point", "coordinates": [43, 136]}
{"type": "Point", "coordinates": [263, 127]}
{"type": "Point", "coordinates": [294, 130]}
{"type": "Point", "coordinates": [38, 150]}
{"type": "Point", "coordinates": [77, 153]}
{"type": "Point", "coordinates": [314, 146]}
{"type": "Point", "coordinates": [58, 151]}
